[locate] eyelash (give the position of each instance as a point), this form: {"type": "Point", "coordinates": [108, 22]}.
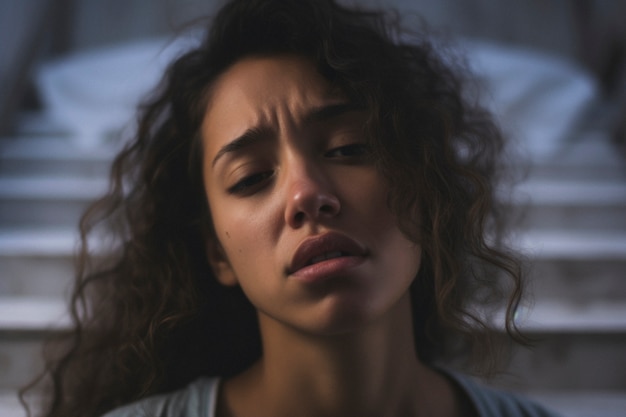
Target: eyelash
{"type": "Point", "coordinates": [354, 149]}
{"type": "Point", "coordinates": [247, 184]}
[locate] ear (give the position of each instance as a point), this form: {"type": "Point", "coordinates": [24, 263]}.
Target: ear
{"type": "Point", "coordinates": [219, 263]}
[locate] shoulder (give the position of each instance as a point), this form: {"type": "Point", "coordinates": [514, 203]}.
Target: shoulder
{"type": "Point", "coordinates": [195, 400]}
{"type": "Point", "coordinates": [490, 402]}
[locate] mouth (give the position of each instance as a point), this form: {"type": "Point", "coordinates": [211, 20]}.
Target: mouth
{"type": "Point", "coordinates": [326, 256]}
{"type": "Point", "coordinates": [321, 248]}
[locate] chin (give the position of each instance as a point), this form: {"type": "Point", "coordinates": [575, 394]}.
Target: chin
{"type": "Point", "coordinates": [335, 316]}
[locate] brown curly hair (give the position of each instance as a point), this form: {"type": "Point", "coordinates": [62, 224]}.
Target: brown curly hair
{"type": "Point", "coordinates": [148, 314]}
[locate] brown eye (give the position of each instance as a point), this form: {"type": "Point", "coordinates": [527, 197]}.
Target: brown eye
{"type": "Point", "coordinates": [250, 183]}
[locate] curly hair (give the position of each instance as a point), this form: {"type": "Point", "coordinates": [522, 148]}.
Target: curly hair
{"type": "Point", "coordinates": [149, 315]}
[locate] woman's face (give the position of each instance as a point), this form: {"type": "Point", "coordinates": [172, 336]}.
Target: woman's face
{"type": "Point", "coordinates": [299, 210]}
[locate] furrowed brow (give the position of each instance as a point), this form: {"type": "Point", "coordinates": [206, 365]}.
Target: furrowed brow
{"type": "Point", "coordinates": [248, 138]}
{"type": "Point", "coordinates": [255, 135]}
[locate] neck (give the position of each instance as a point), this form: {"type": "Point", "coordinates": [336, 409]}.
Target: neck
{"type": "Point", "coordinates": [370, 372]}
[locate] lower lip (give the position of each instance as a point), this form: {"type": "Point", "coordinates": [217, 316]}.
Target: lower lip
{"type": "Point", "coordinates": [325, 270]}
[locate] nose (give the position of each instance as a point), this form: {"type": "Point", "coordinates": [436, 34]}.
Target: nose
{"type": "Point", "coordinates": [310, 197]}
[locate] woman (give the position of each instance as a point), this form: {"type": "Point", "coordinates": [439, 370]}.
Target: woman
{"type": "Point", "coordinates": [302, 229]}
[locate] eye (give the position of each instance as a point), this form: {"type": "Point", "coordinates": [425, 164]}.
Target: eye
{"type": "Point", "coordinates": [353, 149]}
{"type": "Point", "coordinates": [249, 183]}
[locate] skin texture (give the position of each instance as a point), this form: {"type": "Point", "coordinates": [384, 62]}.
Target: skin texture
{"type": "Point", "coordinates": [301, 178]}
{"type": "Point", "coordinates": [337, 336]}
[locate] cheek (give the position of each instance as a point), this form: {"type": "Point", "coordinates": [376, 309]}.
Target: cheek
{"type": "Point", "coordinates": [399, 251]}
{"type": "Point", "coordinates": [373, 201]}
{"type": "Point", "coordinates": [245, 235]}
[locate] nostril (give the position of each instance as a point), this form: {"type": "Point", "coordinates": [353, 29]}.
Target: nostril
{"type": "Point", "coordinates": [299, 217]}
{"type": "Point", "coordinates": [327, 208]}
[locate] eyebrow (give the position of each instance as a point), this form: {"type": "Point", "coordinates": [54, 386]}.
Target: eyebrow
{"type": "Point", "coordinates": [247, 139]}
{"type": "Point", "coordinates": [256, 134]}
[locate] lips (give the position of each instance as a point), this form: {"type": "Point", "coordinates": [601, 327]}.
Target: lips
{"type": "Point", "coordinates": [317, 249]}
{"type": "Point", "coordinates": [326, 256]}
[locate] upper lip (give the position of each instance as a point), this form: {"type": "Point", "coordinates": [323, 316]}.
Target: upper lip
{"type": "Point", "coordinates": [318, 245]}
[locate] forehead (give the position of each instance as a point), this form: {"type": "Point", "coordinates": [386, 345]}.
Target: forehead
{"type": "Point", "coordinates": [270, 78]}
{"type": "Point", "coordinates": [265, 92]}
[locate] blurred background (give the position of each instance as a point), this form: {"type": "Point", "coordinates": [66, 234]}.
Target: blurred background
{"type": "Point", "coordinates": [553, 72]}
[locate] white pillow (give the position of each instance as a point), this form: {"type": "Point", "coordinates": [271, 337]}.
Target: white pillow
{"type": "Point", "coordinates": [95, 93]}
{"type": "Point", "coordinates": [538, 99]}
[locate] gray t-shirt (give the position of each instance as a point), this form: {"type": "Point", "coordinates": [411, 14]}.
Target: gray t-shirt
{"type": "Point", "coordinates": [199, 398]}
